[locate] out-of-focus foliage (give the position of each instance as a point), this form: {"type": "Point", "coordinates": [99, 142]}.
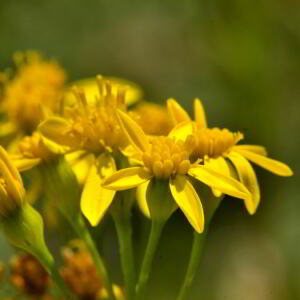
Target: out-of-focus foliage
{"type": "Point", "coordinates": [242, 58]}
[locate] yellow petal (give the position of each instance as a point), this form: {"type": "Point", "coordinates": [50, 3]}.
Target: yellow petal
{"type": "Point", "coordinates": [134, 156]}
{"type": "Point", "coordinates": [24, 164]}
{"type": "Point", "coordinates": [182, 131]}
{"type": "Point", "coordinates": [90, 87]}
{"type": "Point", "coordinates": [141, 198]}
{"type": "Point", "coordinates": [269, 164]}
{"type": "Point", "coordinates": [252, 148]}
{"type": "Point", "coordinates": [134, 132]}
{"type": "Point", "coordinates": [225, 184]}
{"type": "Point", "coordinates": [56, 130]}
{"type": "Point", "coordinates": [127, 178]}
{"type": "Point", "coordinates": [220, 166]}
{"type": "Point", "coordinates": [248, 178]}
{"type": "Point", "coordinates": [95, 199]}
{"type": "Point", "coordinates": [12, 186]}
{"type": "Point", "coordinates": [177, 113]}
{"type": "Point", "coordinates": [189, 202]}
{"type": "Point", "coordinates": [80, 161]}
{"type": "Point", "coordinates": [199, 113]}
{"type": "Point", "coordinates": [9, 164]}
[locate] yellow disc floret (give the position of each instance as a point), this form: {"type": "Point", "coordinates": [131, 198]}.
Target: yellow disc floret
{"type": "Point", "coordinates": [212, 142]}
{"type": "Point", "coordinates": [96, 126]}
{"type": "Point", "coordinates": [166, 157]}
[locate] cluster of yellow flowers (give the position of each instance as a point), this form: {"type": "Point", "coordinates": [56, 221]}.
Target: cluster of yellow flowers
{"type": "Point", "coordinates": [113, 144]}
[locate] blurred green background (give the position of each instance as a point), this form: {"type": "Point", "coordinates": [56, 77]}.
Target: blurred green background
{"type": "Point", "coordinates": [242, 58]}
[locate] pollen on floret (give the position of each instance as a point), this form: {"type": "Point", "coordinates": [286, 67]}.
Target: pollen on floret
{"type": "Point", "coordinates": [212, 142]}
{"type": "Point", "coordinates": [166, 157]}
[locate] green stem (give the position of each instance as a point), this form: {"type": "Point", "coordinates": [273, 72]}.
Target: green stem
{"type": "Point", "coordinates": [47, 262]}
{"type": "Point", "coordinates": [194, 262]}
{"type": "Point", "coordinates": [155, 234]}
{"type": "Point", "coordinates": [124, 231]}
{"type": "Point", "coordinates": [211, 206]}
{"type": "Point", "coordinates": [79, 226]}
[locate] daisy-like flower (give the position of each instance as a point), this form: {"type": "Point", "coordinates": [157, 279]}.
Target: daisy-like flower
{"type": "Point", "coordinates": [166, 160]}
{"type": "Point", "coordinates": [90, 87]}
{"type": "Point", "coordinates": [93, 128]}
{"type": "Point", "coordinates": [218, 149]}
{"type": "Point", "coordinates": [37, 82]}
{"type": "Point", "coordinates": [153, 118]}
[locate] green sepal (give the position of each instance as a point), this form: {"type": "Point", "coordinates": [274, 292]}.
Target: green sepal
{"type": "Point", "coordinates": [25, 230]}
{"type": "Point", "coordinates": [159, 199]}
{"type": "Point", "coordinates": [61, 187]}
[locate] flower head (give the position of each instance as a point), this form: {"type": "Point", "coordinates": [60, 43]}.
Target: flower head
{"type": "Point", "coordinates": [37, 82]}
{"type": "Point", "coordinates": [153, 118]}
{"type": "Point", "coordinates": [28, 275]}
{"type": "Point", "coordinates": [89, 126]}
{"type": "Point", "coordinates": [12, 191]}
{"type": "Point", "coordinates": [90, 87]}
{"type": "Point", "coordinates": [81, 276]}
{"type": "Point", "coordinates": [166, 160]}
{"type": "Point", "coordinates": [218, 148]}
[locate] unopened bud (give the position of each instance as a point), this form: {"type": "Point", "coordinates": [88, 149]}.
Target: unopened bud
{"type": "Point", "coordinates": [12, 193]}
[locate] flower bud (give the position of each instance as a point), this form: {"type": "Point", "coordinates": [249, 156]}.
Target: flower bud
{"type": "Point", "coordinates": [12, 193]}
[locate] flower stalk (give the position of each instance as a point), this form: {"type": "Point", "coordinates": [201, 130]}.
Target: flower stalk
{"type": "Point", "coordinates": [155, 234]}
{"type": "Point", "coordinates": [122, 222]}
{"type": "Point", "coordinates": [194, 262]}
{"type": "Point", "coordinates": [120, 210]}
{"type": "Point", "coordinates": [210, 206]}
{"type": "Point", "coordinates": [82, 231]}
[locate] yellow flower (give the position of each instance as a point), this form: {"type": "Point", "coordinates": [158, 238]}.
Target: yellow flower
{"type": "Point", "coordinates": [12, 191]}
{"type": "Point", "coordinates": [217, 147]}
{"type": "Point", "coordinates": [153, 118]}
{"type": "Point", "coordinates": [87, 126]}
{"type": "Point", "coordinates": [90, 88]}
{"type": "Point", "coordinates": [37, 82]}
{"type": "Point", "coordinates": [94, 128]}
{"type": "Point", "coordinates": [31, 152]}
{"type": "Point", "coordinates": [81, 276]}
{"type": "Point", "coordinates": [166, 160]}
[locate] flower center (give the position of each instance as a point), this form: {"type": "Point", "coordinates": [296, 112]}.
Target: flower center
{"type": "Point", "coordinates": [212, 142]}
{"type": "Point", "coordinates": [96, 125]}
{"type": "Point", "coordinates": [167, 157]}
